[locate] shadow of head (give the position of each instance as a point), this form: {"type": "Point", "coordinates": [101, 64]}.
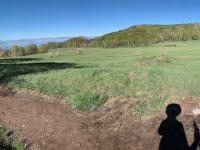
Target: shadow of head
{"type": "Point", "coordinates": [172, 131]}
{"type": "Point", "coordinates": [173, 110]}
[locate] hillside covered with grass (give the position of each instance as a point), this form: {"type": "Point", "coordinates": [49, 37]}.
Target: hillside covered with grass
{"type": "Point", "coordinates": [151, 76]}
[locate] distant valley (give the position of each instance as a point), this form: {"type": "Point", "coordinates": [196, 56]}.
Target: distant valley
{"type": "Point", "coordinates": [24, 42]}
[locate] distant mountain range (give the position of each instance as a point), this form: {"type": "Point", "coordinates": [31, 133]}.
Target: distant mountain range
{"type": "Point", "coordinates": [25, 42]}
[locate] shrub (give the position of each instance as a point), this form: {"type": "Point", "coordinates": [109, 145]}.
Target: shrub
{"type": "Point", "coordinates": [31, 49]}
{"type": "Point", "coordinates": [17, 51]}
{"type": "Point", "coordinates": [43, 48]}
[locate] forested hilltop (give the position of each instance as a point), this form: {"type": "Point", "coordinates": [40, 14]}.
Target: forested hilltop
{"type": "Point", "coordinates": [138, 35]}
{"type": "Point", "coordinates": [141, 35]}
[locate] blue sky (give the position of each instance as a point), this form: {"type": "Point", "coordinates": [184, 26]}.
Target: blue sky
{"type": "Point", "coordinates": [62, 18]}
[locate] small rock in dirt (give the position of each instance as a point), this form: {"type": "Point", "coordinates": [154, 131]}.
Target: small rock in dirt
{"type": "Point", "coordinates": [196, 111]}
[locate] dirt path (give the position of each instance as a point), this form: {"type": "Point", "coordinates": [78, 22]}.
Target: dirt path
{"type": "Point", "coordinates": [47, 124]}
{"type": "Point", "coordinates": [51, 125]}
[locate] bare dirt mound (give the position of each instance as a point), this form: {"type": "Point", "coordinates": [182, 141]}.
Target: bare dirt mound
{"type": "Point", "coordinates": [49, 124]}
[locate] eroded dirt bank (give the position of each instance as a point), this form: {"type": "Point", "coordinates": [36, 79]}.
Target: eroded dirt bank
{"type": "Point", "coordinates": [51, 125]}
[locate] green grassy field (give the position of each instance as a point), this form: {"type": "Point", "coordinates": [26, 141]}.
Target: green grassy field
{"type": "Point", "coordinates": [153, 75]}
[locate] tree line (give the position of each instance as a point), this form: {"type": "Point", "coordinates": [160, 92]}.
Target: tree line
{"type": "Point", "coordinates": [17, 50]}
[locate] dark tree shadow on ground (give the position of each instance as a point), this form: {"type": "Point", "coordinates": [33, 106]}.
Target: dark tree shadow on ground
{"type": "Point", "coordinates": [17, 60]}
{"type": "Point", "coordinates": [10, 68]}
{"type": "Point", "coordinates": [172, 132]}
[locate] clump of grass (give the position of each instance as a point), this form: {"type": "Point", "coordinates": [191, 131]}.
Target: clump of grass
{"type": "Point", "coordinates": [80, 51]}
{"type": "Point", "coordinates": [161, 59]}
{"type": "Point", "coordinates": [148, 105]}
{"type": "Point", "coordinates": [7, 141]}
{"type": "Point", "coordinates": [86, 100]}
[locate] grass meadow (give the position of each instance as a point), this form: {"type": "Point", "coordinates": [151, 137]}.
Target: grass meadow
{"type": "Point", "coordinates": [153, 75]}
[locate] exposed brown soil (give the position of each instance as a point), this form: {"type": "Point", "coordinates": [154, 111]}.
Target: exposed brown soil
{"type": "Point", "coordinates": [51, 125]}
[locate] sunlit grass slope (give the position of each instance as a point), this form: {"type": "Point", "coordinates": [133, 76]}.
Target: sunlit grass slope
{"type": "Point", "coordinates": [152, 75]}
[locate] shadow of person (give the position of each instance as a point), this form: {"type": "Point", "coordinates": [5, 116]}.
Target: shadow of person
{"type": "Point", "coordinates": [172, 132]}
